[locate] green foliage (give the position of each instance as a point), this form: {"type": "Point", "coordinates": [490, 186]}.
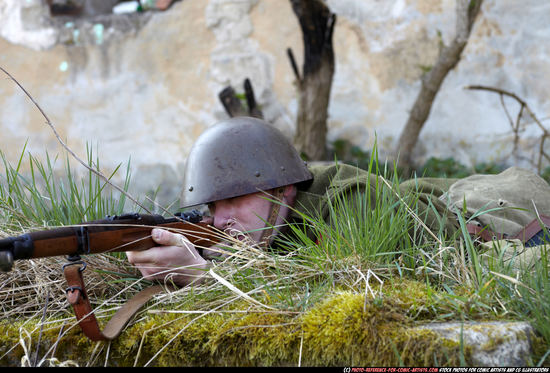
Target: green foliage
{"type": "Point", "coordinates": [449, 167]}
{"type": "Point", "coordinates": [531, 299]}
{"type": "Point", "coordinates": [365, 225]}
{"type": "Point", "coordinates": [348, 153]}
{"type": "Point", "coordinates": [42, 196]}
{"type": "Point", "coordinates": [545, 174]}
{"type": "Point", "coordinates": [435, 167]}
{"type": "Point", "coordinates": [345, 152]}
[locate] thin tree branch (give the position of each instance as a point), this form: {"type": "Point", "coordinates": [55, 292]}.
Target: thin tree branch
{"type": "Point", "coordinates": [512, 95]}
{"type": "Point", "coordinates": [294, 65]}
{"type": "Point", "coordinates": [506, 111]}
{"type": "Point", "coordinates": [515, 127]}
{"type": "Point", "coordinates": [466, 12]}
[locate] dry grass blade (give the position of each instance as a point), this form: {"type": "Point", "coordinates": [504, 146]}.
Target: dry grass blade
{"type": "Point", "coordinates": [23, 290]}
{"type": "Point", "coordinates": [412, 213]}
{"type": "Point", "coordinates": [187, 326]}
{"type": "Point", "coordinates": [513, 281]}
{"type": "Point", "coordinates": [234, 289]}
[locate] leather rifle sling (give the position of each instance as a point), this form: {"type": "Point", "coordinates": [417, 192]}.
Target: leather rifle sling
{"type": "Point", "coordinates": [484, 233]}
{"type": "Point", "coordinates": [78, 298]}
{"type": "Point", "coordinates": [273, 215]}
{"type": "Point", "coordinates": [524, 235]}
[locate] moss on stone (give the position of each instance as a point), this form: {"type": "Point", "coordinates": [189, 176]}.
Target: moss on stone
{"type": "Point", "coordinates": [344, 329]}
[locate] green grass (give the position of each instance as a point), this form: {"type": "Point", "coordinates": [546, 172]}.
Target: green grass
{"type": "Point", "coordinates": [42, 196]}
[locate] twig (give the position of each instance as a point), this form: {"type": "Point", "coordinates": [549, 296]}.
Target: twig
{"type": "Point", "coordinates": [512, 95]}
{"type": "Point", "coordinates": [293, 65]}
{"type": "Point", "coordinates": [49, 123]}
{"type": "Point", "coordinates": [505, 110]}
{"type": "Point", "coordinates": [515, 127]}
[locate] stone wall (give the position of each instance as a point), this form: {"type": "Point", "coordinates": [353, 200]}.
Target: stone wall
{"type": "Point", "coordinates": [144, 86]}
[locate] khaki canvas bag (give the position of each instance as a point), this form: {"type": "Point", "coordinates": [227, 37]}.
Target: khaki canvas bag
{"type": "Point", "coordinates": [505, 203]}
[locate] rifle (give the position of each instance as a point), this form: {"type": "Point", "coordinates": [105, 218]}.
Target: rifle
{"type": "Point", "coordinates": [128, 232]}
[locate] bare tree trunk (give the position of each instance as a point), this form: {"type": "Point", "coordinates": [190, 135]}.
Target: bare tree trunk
{"type": "Point", "coordinates": [317, 24]}
{"type": "Point", "coordinates": [448, 58]}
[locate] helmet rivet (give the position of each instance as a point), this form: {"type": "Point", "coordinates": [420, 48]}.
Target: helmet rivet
{"type": "Point", "coordinates": [282, 168]}
{"type": "Point", "coordinates": [191, 188]}
{"type": "Point", "coordinates": [257, 174]}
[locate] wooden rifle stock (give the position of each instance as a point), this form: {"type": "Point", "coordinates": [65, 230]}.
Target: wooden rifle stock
{"type": "Point", "coordinates": [128, 232]}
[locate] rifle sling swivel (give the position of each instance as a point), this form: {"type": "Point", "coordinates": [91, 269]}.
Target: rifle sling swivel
{"type": "Point", "coordinates": [78, 298]}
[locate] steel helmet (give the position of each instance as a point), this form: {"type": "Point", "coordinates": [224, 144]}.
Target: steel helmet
{"type": "Point", "coordinates": [239, 156]}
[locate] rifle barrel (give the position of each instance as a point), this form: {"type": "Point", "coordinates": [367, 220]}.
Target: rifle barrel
{"type": "Point", "coordinates": [128, 232]}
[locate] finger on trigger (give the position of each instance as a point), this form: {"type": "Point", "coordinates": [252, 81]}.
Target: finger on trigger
{"type": "Point", "coordinates": [164, 237]}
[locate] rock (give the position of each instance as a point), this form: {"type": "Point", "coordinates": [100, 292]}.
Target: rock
{"type": "Point", "coordinates": [491, 343]}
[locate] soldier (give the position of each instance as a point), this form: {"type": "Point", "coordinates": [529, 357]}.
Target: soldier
{"type": "Point", "coordinates": [239, 168]}
{"type": "Point", "coordinates": [255, 184]}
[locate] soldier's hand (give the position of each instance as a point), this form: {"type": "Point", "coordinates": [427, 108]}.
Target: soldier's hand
{"type": "Point", "coordinates": [175, 260]}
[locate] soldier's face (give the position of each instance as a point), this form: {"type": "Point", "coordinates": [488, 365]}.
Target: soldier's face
{"type": "Point", "coordinates": [247, 214]}
{"type": "Point", "coordinates": [244, 214]}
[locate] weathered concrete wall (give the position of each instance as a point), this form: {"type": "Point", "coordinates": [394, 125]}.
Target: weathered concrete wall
{"type": "Point", "coordinates": [145, 85]}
